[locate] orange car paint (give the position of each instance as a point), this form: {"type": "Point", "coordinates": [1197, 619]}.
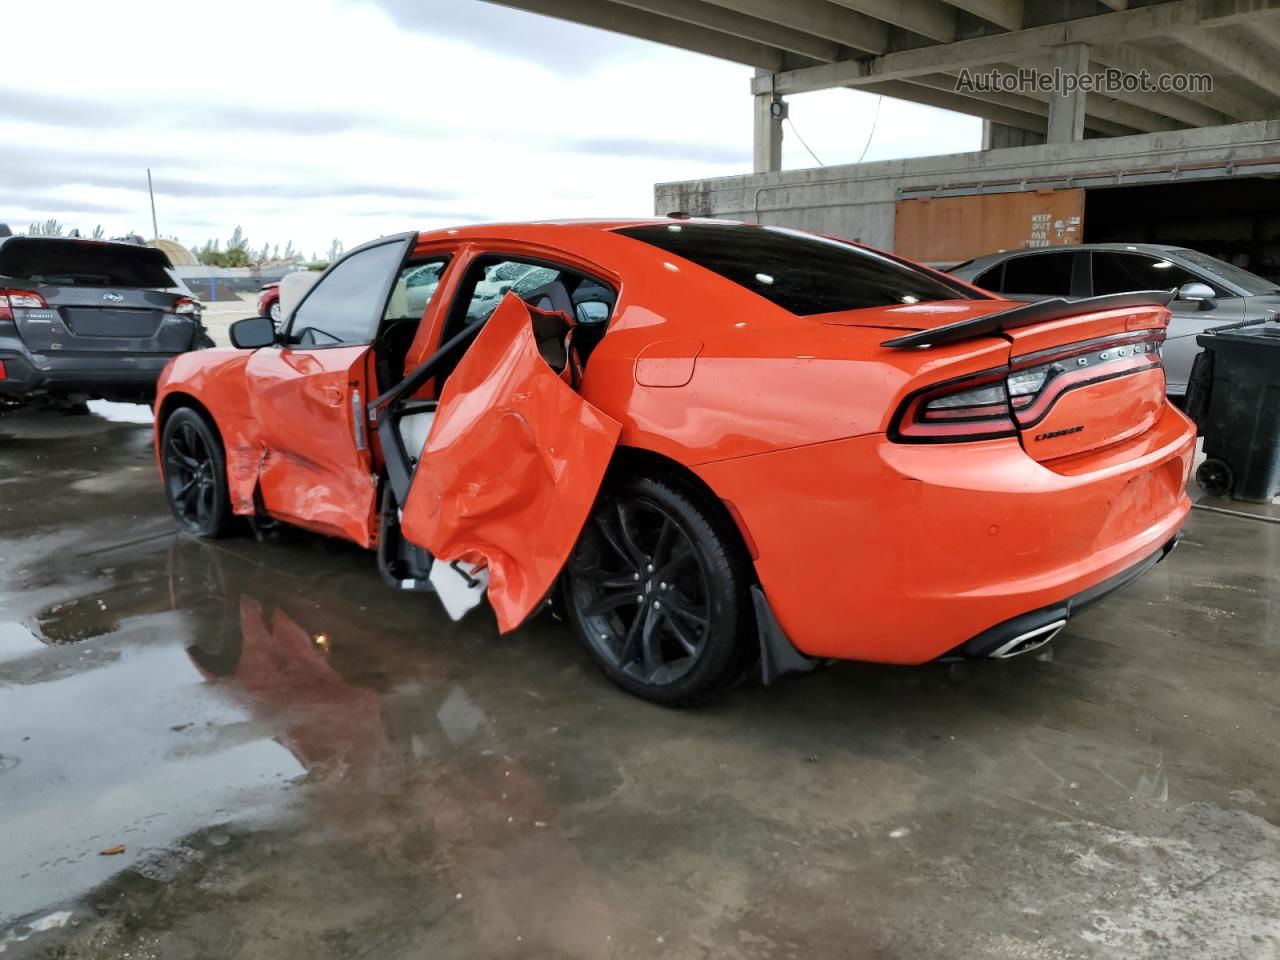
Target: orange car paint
{"type": "Point", "coordinates": [511, 467]}
{"type": "Point", "coordinates": [867, 548]}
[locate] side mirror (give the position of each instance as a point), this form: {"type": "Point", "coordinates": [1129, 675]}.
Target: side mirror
{"type": "Point", "coordinates": [252, 333]}
{"type": "Point", "coordinates": [1195, 291]}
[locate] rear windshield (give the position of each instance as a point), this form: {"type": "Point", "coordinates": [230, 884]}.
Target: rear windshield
{"type": "Point", "coordinates": [802, 273]}
{"type": "Point", "coordinates": [83, 263]}
{"type": "Point", "coordinates": [1251, 283]}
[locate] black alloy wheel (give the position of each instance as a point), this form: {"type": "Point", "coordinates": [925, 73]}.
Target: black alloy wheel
{"type": "Point", "coordinates": [658, 591]}
{"type": "Point", "coordinates": [195, 475]}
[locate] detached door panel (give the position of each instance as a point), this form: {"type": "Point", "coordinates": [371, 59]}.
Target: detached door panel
{"type": "Point", "coordinates": [316, 469]}
{"type": "Point", "coordinates": [511, 467]}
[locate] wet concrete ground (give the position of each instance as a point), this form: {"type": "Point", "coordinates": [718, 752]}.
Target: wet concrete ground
{"type": "Point", "coordinates": [301, 763]}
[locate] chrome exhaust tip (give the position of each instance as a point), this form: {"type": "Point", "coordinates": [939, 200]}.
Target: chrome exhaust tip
{"type": "Point", "coordinates": [1026, 642]}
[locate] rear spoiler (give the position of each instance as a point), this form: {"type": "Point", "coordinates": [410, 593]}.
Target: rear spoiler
{"type": "Point", "coordinates": [1042, 311]}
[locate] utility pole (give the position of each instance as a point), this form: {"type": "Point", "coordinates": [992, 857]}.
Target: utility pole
{"type": "Point", "coordinates": [155, 230]}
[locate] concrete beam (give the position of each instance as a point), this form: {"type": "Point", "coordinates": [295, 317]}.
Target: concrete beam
{"type": "Point", "coordinates": [1101, 120]}
{"type": "Point", "coordinates": [1125, 26]}
{"type": "Point", "coordinates": [647, 26]}
{"type": "Point", "coordinates": [1235, 56]}
{"type": "Point", "coordinates": [740, 25]}
{"type": "Point", "coordinates": [1102, 113]}
{"type": "Point", "coordinates": [1116, 4]}
{"type": "Point", "coordinates": [929, 18]}
{"type": "Point", "coordinates": [1177, 59]}
{"type": "Point", "coordinates": [820, 18]}
{"type": "Point", "coordinates": [1183, 109]}
{"type": "Point", "coordinates": [929, 91]}
{"type": "Point", "coordinates": [1003, 13]}
{"type": "Point", "coordinates": [1268, 34]}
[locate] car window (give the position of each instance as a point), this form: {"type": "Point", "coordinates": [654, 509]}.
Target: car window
{"type": "Point", "coordinates": [345, 305]}
{"type": "Point", "coordinates": [413, 290]}
{"type": "Point", "coordinates": [1126, 272]}
{"type": "Point", "coordinates": [992, 279]}
{"type": "Point", "coordinates": [1251, 283]}
{"type": "Point", "coordinates": [499, 279]}
{"type": "Point", "coordinates": [800, 272]}
{"type": "Point", "coordinates": [1039, 274]}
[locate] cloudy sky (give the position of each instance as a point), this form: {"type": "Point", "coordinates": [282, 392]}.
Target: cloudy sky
{"type": "Point", "coordinates": [350, 119]}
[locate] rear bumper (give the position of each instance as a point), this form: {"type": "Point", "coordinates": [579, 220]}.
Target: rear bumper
{"type": "Point", "coordinates": [133, 373]}
{"type": "Point", "coordinates": [871, 550]}
{"type": "Point", "coordinates": [1029, 631]}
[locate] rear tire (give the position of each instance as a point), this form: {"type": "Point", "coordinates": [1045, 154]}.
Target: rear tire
{"type": "Point", "coordinates": [273, 312]}
{"type": "Point", "coordinates": [195, 474]}
{"type": "Point", "coordinates": [658, 590]}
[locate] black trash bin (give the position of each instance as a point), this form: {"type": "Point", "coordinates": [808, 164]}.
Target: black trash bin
{"type": "Point", "coordinates": [1234, 397]}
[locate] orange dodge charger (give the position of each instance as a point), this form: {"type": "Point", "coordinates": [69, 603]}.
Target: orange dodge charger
{"type": "Point", "coordinates": [727, 444]}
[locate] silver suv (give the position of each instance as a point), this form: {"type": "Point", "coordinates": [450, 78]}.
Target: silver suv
{"type": "Point", "coordinates": [1211, 292]}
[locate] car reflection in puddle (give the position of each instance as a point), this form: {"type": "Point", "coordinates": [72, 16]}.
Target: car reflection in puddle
{"type": "Point", "coordinates": [150, 743]}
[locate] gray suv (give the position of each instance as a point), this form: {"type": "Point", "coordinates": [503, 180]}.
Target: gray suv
{"type": "Point", "coordinates": [83, 318]}
{"type": "Point", "coordinates": [1211, 292]}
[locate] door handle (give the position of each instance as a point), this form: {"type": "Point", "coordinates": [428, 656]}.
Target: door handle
{"type": "Point", "coordinates": [332, 395]}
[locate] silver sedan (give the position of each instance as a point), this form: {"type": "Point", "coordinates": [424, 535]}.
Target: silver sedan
{"type": "Point", "coordinates": [1211, 292]}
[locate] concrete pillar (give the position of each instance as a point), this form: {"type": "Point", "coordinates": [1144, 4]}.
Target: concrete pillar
{"type": "Point", "coordinates": [767, 152]}
{"type": "Point", "coordinates": [1066, 112]}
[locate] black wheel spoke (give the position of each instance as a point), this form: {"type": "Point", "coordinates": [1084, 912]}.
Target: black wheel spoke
{"type": "Point", "coordinates": [683, 637]}
{"type": "Point", "coordinates": [633, 549]}
{"type": "Point", "coordinates": [680, 555]}
{"type": "Point", "coordinates": [610, 601]}
{"type": "Point", "coordinates": [684, 613]}
{"type": "Point", "coordinates": [650, 652]}
{"type": "Point", "coordinates": [612, 539]}
{"type": "Point", "coordinates": [628, 651]}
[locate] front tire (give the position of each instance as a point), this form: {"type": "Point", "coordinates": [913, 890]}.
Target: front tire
{"type": "Point", "coordinates": [195, 474]}
{"type": "Point", "coordinates": [658, 589]}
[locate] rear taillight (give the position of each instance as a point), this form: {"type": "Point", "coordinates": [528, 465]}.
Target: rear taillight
{"type": "Point", "coordinates": [27, 299]}
{"type": "Point", "coordinates": [975, 407]}
{"type": "Point", "coordinates": [185, 306]}
{"type": "Point", "coordinates": [1000, 402]}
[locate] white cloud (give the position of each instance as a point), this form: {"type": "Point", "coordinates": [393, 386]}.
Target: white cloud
{"type": "Point", "coordinates": [349, 119]}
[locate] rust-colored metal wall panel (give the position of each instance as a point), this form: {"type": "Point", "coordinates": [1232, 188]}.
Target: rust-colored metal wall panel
{"type": "Point", "coordinates": [951, 229]}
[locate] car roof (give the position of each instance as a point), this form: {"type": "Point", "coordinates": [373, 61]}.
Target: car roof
{"type": "Point", "coordinates": [523, 228]}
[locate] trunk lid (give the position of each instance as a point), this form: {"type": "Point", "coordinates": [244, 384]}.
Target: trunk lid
{"type": "Point", "coordinates": [1085, 382]}
{"type": "Point", "coordinates": [1080, 376]}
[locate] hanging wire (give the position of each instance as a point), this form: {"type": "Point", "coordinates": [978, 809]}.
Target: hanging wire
{"type": "Point", "coordinates": [875, 119]}
{"type": "Point", "coordinates": [792, 124]}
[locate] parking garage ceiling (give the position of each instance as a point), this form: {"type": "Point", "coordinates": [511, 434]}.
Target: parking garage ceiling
{"type": "Point", "coordinates": [914, 49]}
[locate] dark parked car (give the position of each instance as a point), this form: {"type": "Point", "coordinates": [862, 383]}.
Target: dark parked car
{"type": "Point", "coordinates": [84, 318]}
{"type": "Point", "coordinates": [1211, 292]}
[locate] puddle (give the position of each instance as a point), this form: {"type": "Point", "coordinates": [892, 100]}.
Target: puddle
{"type": "Point", "coordinates": [140, 753]}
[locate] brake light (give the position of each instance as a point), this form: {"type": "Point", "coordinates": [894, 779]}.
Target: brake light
{"type": "Point", "coordinates": [19, 298]}
{"type": "Point", "coordinates": [975, 407]}
{"type": "Point", "coordinates": [3, 375]}
{"type": "Point", "coordinates": [27, 299]}
{"type": "Point", "coordinates": [185, 306]}
{"type": "Point", "coordinates": [1000, 402]}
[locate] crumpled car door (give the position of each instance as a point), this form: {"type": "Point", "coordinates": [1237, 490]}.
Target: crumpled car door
{"type": "Point", "coordinates": [511, 466]}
